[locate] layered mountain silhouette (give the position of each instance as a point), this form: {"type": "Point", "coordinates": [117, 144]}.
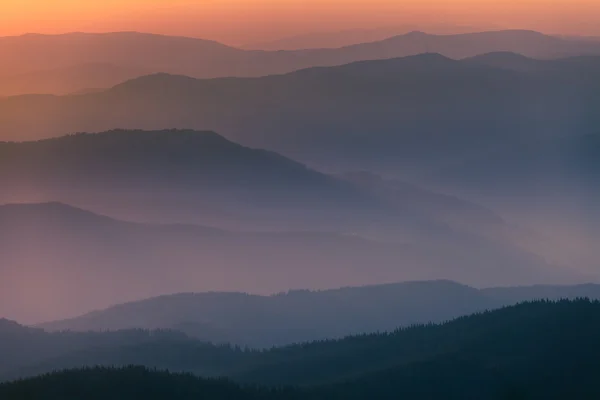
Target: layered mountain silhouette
{"type": "Point", "coordinates": [290, 317]}
{"type": "Point", "coordinates": [205, 173]}
{"type": "Point", "coordinates": [426, 116]}
{"type": "Point", "coordinates": [206, 59]}
{"type": "Point", "coordinates": [344, 215]}
{"type": "Point", "coordinates": [293, 226]}
{"type": "Point", "coordinates": [532, 350]}
{"type": "Point", "coordinates": [485, 128]}
{"type": "Point", "coordinates": [300, 316]}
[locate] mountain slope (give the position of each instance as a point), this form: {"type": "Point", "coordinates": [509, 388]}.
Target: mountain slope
{"type": "Point", "coordinates": [506, 346]}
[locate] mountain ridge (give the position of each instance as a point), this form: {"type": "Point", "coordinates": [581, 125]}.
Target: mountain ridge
{"type": "Point", "coordinates": [208, 59]}
{"type": "Point", "coordinates": [406, 304]}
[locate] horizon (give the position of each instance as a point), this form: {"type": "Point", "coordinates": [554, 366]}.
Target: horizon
{"type": "Point", "coordinates": [238, 23]}
{"type": "Point", "coordinates": [244, 46]}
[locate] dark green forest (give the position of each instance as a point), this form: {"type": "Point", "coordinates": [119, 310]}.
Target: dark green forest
{"type": "Point", "coordinates": [537, 350]}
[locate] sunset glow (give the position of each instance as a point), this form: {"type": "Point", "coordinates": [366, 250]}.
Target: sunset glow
{"type": "Point", "coordinates": [240, 21]}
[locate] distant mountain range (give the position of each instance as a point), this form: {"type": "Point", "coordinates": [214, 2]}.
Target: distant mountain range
{"type": "Point", "coordinates": [329, 40]}
{"type": "Point", "coordinates": [534, 350]}
{"type": "Point", "coordinates": [349, 37]}
{"type": "Point", "coordinates": [484, 128]}
{"type": "Point", "coordinates": [300, 316]}
{"type": "Point", "coordinates": [425, 117]}
{"type": "Point", "coordinates": [66, 58]}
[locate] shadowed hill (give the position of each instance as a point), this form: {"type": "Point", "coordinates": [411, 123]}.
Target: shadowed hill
{"type": "Point", "coordinates": [305, 315]}
{"type": "Point", "coordinates": [290, 317]}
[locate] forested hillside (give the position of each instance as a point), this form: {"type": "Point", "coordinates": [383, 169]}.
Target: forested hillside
{"type": "Point", "coordinates": [534, 350]}
{"type": "Point", "coordinates": [540, 350]}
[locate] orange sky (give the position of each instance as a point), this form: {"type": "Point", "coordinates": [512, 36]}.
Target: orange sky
{"type": "Point", "coordinates": [239, 21]}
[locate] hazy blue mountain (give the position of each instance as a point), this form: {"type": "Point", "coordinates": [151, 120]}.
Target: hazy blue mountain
{"type": "Point", "coordinates": [307, 315]}
{"type": "Point", "coordinates": [285, 318]}
{"type": "Point", "coordinates": [207, 59]}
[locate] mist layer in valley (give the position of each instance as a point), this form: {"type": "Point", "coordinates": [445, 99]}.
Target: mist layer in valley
{"type": "Point", "coordinates": [87, 215]}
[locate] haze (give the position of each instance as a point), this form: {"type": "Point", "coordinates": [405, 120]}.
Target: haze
{"type": "Point", "coordinates": [240, 22]}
